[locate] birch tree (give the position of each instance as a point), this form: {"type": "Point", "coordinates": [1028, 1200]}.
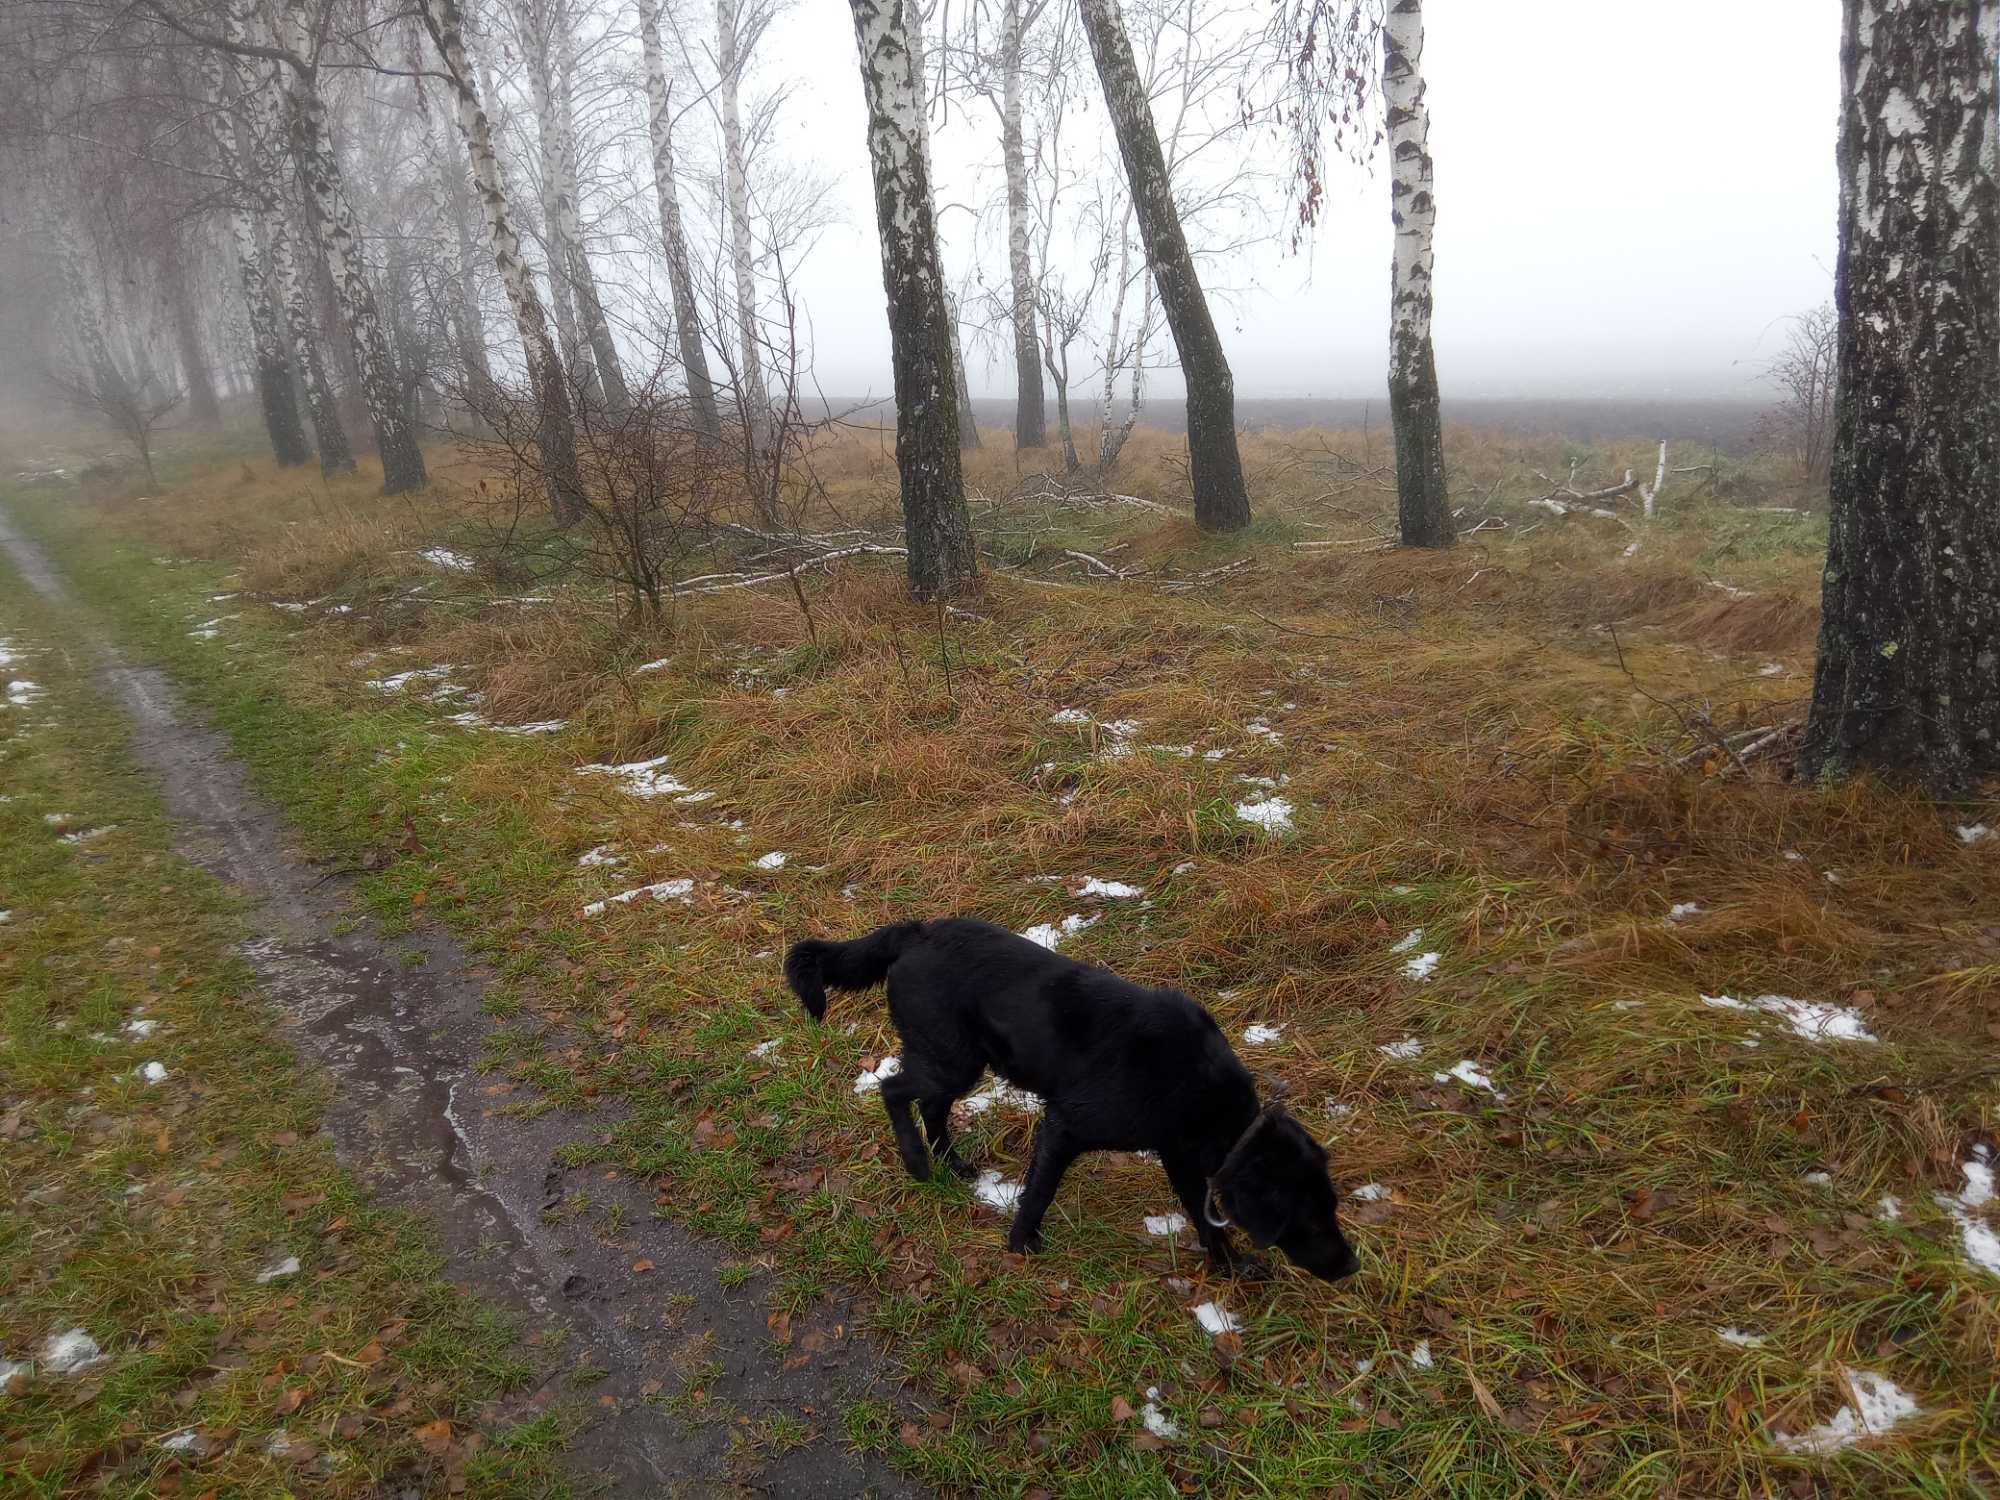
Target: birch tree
{"type": "Point", "coordinates": [673, 233]}
{"type": "Point", "coordinates": [1423, 509]}
{"type": "Point", "coordinates": [548, 381]}
{"type": "Point", "coordinates": [454, 210]}
{"type": "Point", "coordinates": [1030, 420]}
{"type": "Point", "coordinates": [968, 426]}
{"type": "Point", "coordinates": [736, 34]}
{"type": "Point", "coordinates": [332, 217]}
{"type": "Point", "coordinates": [1221, 502]}
{"type": "Point", "coordinates": [276, 397]}
{"type": "Point", "coordinates": [1908, 676]}
{"type": "Point", "coordinates": [943, 562]}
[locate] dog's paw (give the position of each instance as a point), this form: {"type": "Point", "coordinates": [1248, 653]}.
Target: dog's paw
{"type": "Point", "coordinates": [959, 1167]}
{"type": "Point", "coordinates": [1024, 1244]}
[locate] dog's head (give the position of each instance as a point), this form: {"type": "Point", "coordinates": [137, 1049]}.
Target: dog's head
{"type": "Point", "coordinates": [1275, 1187]}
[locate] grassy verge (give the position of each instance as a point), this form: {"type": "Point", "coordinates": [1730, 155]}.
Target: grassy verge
{"type": "Point", "coordinates": [1618, 1241]}
{"type": "Point", "coordinates": [194, 1299]}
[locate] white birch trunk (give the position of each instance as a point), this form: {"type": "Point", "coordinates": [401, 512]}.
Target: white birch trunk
{"type": "Point", "coordinates": [942, 559]}
{"type": "Point", "coordinates": [1423, 506]}
{"type": "Point", "coordinates": [752, 394]}
{"type": "Point", "coordinates": [273, 367]}
{"type": "Point", "coordinates": [531, 22]}
{"type": "Point", "coordinates": [455, 213]}
{"type": "Point", "coordinates": [556, 423]}
{"type": "Point", "coordinates": [589, 303]}
{"type": "Point", "coordinates": [1029, 428]}
{"type": "Point", "coordinates": [673, 234]}
{"type": "Point", "coordinates": [333, 219]}
{"type": "Point", "coordinates": [336, 456]}
{"type": "Point", "coordinates": [968, 426]}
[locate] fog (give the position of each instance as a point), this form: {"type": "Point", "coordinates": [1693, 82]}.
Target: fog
{"type": "Point", "coordinates": [1630, 197]}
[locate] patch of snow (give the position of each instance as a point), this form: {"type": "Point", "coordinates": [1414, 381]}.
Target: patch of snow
{"type": "Point", "coordinates": [21, 692]}
{"type": "Point", "coordinates": [1818, 1179]}
{"type": "Point", "coordinates": [1682, 910]}
{"type": "Point", "coordinates": [1409, 1046]}
{"type": "Point", "coordinates": [1165, 1225]}
{"type": "Point", "coordinates": [691, 798]}
{"type": "Point", "coordinates": [1213, 755]}
{"type": "Point", "coordinates": [1421, 1356]}
{"type": "Point", "coordinates": [775, 860]}
{"type": "Point", "coordinates": [142, 1028]}
{"type": "Point", "coordinates": [1422, 966]}
{"type": "Point", "coordinates": [71, 1353]}
{"type": "Point", "coordinates": [85, 835]}
{"type": "Point", "coordinates": [1108, 890]}
{"type": "Point", "coordinates": [1178, 752]}
{"type": "Point", "coordinates": [1889, 1207]}
{"type": "Point", "coordinates": [871, 1078]}
{"type": "Point", "coordinates": [1263, 1034]}
{"type": "Point", "coordinates": [444, 557]}
{"type": "Point", "coordinates": [680, 889]}
{"type": "Point", "coordinates": [1878, 1406]}
{"type": "Point", "coordinates": [1978, 1238]}
{"type": "Point", "coordinates": [765, 1049]}
{"type": "Point", "coordinates": [11, 1371]}
{"type": "Point", "coordinates": [1408, 941]}
{"type": "Point", "coordinates": [1182, 868]}
{"type": "Point", "coordinates": [533, 726]}
{"type": "Point", "coordinates": [1155, 1419]}
{"type": "Point", "coordinates": [1272, 814]}
{"type": "Point", "coordinates": [1215, 1318]}
{"type": "Point", "coordinates": [1370, 1192]}
{"type": "Point", "coordinates": [1792, 856]}
{"type": "Point", "coordinates": [652, 666]}
{"type": "Point", "coordinates": [1000, 1092]}
{"type": "Point", "coordinates": [1812, 1019]}
{"type": "Point", "coordinates": [1739, 1338]}
{"type": "Point", "coordinates": [154, 1072]}
{"type": "Point", "coordinates": [1074, 717]}
{"type": "Point", "coordinates": [601, 855]}
{"type": "Point", "coordinates": [1972, 833]}
{"type": "Point", "coordinates": [208, 630]}
{"type": "Point", "coordinates": [401, 680]}
{"type": "Point", "coordinates": [1336, 1110]}
{"type": "Point", "coordinates": [1771, 669]}
{"type": "Point", "coordinates": [188, 1440]}
{"type": "Point", "coordinates": [1466, 1071]}
{"type": "Point", "coordinates": [1263, 731]}
{"type": "Point", "coordinates": [1627, 1004]}
{"type": "Point", "coordinates": [1050, 935]}
{"type": "Point", "coordinates": [995, 1191]}
{"type": "Point", "coordinates": [641, 778]}
{"type": "Point", "coordinates": [278, 1270]}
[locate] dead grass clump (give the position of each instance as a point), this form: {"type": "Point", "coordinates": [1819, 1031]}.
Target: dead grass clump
{"type": "Point", "coordinates": [1780, 620]}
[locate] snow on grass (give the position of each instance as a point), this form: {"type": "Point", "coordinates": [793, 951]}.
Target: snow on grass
{"type": "Point", "coordinates": [999, 1092]}
{"type": "Point", "coordinates": [71, 1353]}
{"type": "Point", "coordinates": [1263, 731]}
{"type": "Point", "coordinates": [1878, 1405]}
{"type": "Point", "coordinates": [9, 652]}
{"type": "Point", "coordinates": [154, 1072]}
{"type": "Point", "coordinates": [1262, 1034]}
{"type": "Point", "coordinates": [1814, 1020]}
{"type": "Point", "coordinates": [187, 1440]}
{"type": "Point", "coordinates": [1214, 1318]}
{"type": "Point", "coordinates": [21, 692]}
{"type": "Point", "coordinates": [1155, 1419]}
{"type": "Point", "coordinates": [775, 860]}
{"type": "Point", "coordinates": [6, 916]}
{"type": "Point", "coordinates": [1421, 1356]}
{"type": "Point", "coordinates": [396, 683]}
{"type": "Point", "coordinates": [1739, 1338]}
{"type": "Point", "coordinates": [995, 1191]}
{"type": "Point", "coordinates": [1422, 966]}
{"type": "Point", "coordinates": [602, 855]}
{"type": "Point", "coordinates": [641, 778]}
{"type": "Point", "coordinates": [1976, 1236]}
{"type": "Point", "coordinates": [1072, 717]}
{"type": "Point", "coordinates": [1408, 941]}
{"type": "Point", "coordinates": [1889, 1207]}
{"type": "Point", "coordinates": [1051, 935]}
{"type": "Point", "coordinates": [764, 1050]}
{"type": "Point", "coordinates": [1682, 910]}
{"type": "Point", "coordinates": [1818, 1179]}
{"type": "Point", "coordinates": [1466, 1071]}
{"type": "Point", "coordinates": [1972, 833]}
{"type": "Point", "coordinates": [871, 1078]}
{"type": "Point", "coordinates": [444, 557]}
{"type": "Point", "coordinates": [533, 726]}
{"type": "Point", "coordinates": [141, 1029]}
{"type": "Point", "coordinates": [278, 1270]}
{"type": "Point", "coordinates": [1107, 890]}
{"type": "Point", "coordinates": [86, 835]}
{"type": "Point", "coordinates": [1409, 1046]}
{"type": "Point", "coordinates": [208, 630]}
{"type": "Point", "coordinates": [11, 1371]}
{"type": "Point", "coordinates": [1272, 814]}
{"type": "Point", "coordinates": [1165, 1225]}
{"type": "Point", "coordinates": [679, 889]}
{"type": "Point", "coordinates": [1370, 1192]}
{"type": "Point", "coordinates": [652, 666]}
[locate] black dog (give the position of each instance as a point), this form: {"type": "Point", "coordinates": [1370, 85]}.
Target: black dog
{"type": "Point", "coordinates": [1118, 1066]}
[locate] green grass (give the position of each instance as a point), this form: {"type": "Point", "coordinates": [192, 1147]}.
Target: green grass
{"type": "Point", "coordinates": [143, 1213]}
{"type": "Point", "coordinates": [1466, 757]}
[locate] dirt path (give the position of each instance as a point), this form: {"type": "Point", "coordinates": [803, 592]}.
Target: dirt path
{"type": "Point", "coordinates": [399, 1042]}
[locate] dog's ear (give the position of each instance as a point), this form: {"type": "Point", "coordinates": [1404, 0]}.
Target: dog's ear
{"type": "Point", "coordinates": [1262, 1191]}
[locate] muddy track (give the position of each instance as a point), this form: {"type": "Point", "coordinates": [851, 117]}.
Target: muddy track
{"type": "Point", "coordinates": [408, 1116]}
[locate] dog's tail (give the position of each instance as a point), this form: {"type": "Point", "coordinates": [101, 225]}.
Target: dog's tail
{"type": "Point", "coordinates": [814, 965]}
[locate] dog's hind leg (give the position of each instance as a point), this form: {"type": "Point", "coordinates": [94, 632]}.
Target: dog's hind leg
{"type": "Point", "coordinates": [898, 1094]}
{"type": "Point", "coordinates": [1055, 1148]}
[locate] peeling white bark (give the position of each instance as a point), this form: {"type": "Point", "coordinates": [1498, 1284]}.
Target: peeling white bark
{"type": "Point", "coordinates": [673, 235]}
{"type": "Point", "coordinates": [752, 394]}
{"type": "Point", "coordinates": [1029, 431]}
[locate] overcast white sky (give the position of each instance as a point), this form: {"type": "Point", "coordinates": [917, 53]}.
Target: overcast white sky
{"type": "Point", "coordinates": [1630, 195]}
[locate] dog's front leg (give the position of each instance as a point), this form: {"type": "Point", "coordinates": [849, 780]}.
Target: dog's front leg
{"type": "Point", "coordinates": [1192, 1189]}
{"type": "Point", "coordinates": [1055, 1148]}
